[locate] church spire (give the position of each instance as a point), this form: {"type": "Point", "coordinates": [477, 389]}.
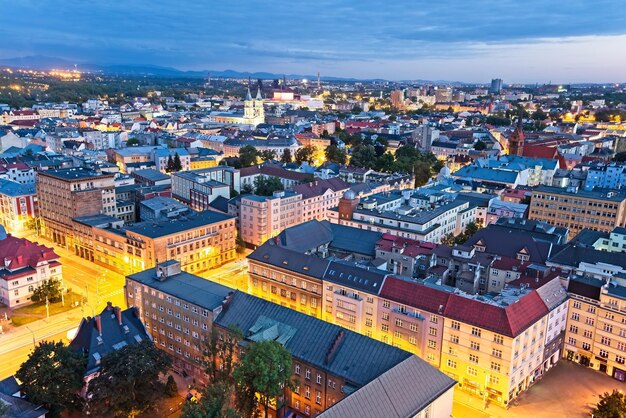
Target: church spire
{"type": "Point", "coordinates": [248, 95]}
{"type": "Point", "coordinates": [258, 94]}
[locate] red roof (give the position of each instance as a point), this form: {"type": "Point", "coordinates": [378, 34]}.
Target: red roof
{"type": "Point", "coordinates": [19, 253]}
{"type": "Point", "coordinates": [414, 295]}
{"type": "Point", "coordinates": [25, 122]}
{"type": "Point", "coordinates": [410, 247]}
{"type": "Point", "coordinates": [319, 187]}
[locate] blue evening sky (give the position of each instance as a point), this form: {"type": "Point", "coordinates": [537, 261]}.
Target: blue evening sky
{"type": "Point", "coordinates": [470, 40]}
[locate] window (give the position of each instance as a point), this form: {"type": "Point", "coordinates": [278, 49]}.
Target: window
{"type": "Point", "coordinates": [433, 319]}
{"type": "Point", "coordinates": [318, 379]}
{"type": "Point", "coordinates": [297, 369]}
{"type": "Point", "coordinates": [432, 344]}
{"type": "Point", "coordinates": [455, 325]}
{"type": "Point", "coordinates": [608, 328]}
{"type": "Point", "coordinates": [399, 323]}
{"type": "Point", "coordinates": [451, 364]}
{"type": "Point", "coordinates": [473, 358]}
{"type": "Point", "coordinates": [412, 339]}
{"type": "Point", "coordinates": [475, 346]}
{"type": "Point", "coordinates": [587, 333]}
{"type": "Point", "coordinates": [586, 346]}
{"type": "Point", "coordinates": [432, 331]}
{"type": "Point", "coordinates": [385, 316]}
{"type": "Point", "coordinates": [495, 367]}
{"type": "Point", "coordinates": [413, 327]}
{"type": "Point", "coordinates": [575, 316]}
{"type": "Point", "coordinates": [318, 397]}
{"type": "Point", "coordinates": [605, 341]}
{"type": "Point", "coordinates": [384, 327]}
{"type": "Point", "coordinates": [573, 329]}
{"type": "Point", "coordinates": [472, 371]}
{"type": "Point", "coordinates": [498, 339]}
{"type": "Point", "coordinates": [454, 339]}
{"type": "Point", "coordinates": [619, 359]}
{"type": "Point", "coordinates": [476, 331]}
{"type": "Point", "coordinates": [603, 353]}
{"type": "Point", "coordinates": [307, 374]}
{"type": "Point", "coordinates": [386, 304]}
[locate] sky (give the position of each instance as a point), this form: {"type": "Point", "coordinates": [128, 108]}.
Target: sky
{"type": "Point", "coordinates": [471, 40]}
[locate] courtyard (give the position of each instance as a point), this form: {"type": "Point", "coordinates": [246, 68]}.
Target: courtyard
{"type": "Point", "coordinates": [568, 390]}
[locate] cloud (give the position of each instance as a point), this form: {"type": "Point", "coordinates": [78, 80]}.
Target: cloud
{"type": "Point", "coordinates": [284, 35]}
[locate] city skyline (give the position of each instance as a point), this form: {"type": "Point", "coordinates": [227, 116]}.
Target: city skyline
{"type": "Point", "coordinates": [528, 43]}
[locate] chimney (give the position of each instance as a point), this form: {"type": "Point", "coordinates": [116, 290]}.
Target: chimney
{"type": "Point", "coordinates": [98, 324]}
{"type": "Point", "coordinates": [109, 306]}
{"type": "Point", "coordinates": [118, 314]}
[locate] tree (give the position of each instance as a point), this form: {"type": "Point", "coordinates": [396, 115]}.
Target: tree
{"type": "Point", "coordinates": [267, 185]}
{"type": "Point", "coordinates": [363, 156]}
{"type": "Point", "coordinates": [248, 155]}
{"type": "Point", "coordinates": [620, 157]}
{"type": "Point", "coordinates": [335, 154]}
{"type": "Point", "coordinates": [240, 245]}
{"type": "Point", "coordinates": [422, 173]}
{"type": "Point", "coordinates": [132, 142]}
{"type": "Point", "coordinates": [385, 163]}
{"type": "Point", "coordinates": [52, 376]}
{"type": "Point", "coordinates": [128, 382]}
{"type": "Point", "coordinates": [265, 370]}
{"type": "Point", "coordinates": [611, 405]}
{"type": "Point", "coordinates": [268, 155]}
{"type": "Point", "coordinates": [247, 189]}
{"type": "Point", "coordinates": [177, 163]}
{"type": "Point", "coordinates": [170, 165]}
{"type": "Point", "coordinates": [171, 389]}
{"type": "Point", "coordinates": [305, 154]}
{"type": "Point", "coordinates": [286, 157]}
{"type": "Point", "coordinates": [50, 289]}
{"type": "Point", "coordinates": [480, 145]}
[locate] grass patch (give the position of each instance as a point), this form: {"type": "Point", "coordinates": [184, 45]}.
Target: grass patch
{"type": "Point", "coordinates": [35, 312]}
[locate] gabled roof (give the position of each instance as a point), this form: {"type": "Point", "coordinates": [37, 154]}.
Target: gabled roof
{"type": "Point", "coordinates": [415, 295]}
{"type": "Point", "coordinates": [356, 358]}
{"type": "Point", "coordinates": [270, 253]}
{"type": "Point", "coordinates": [18, 253]}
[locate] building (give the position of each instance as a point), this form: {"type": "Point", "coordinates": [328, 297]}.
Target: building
{"type": "Point", "coordinates": [162, 156]}
{"type": "Point", "coordinates": [206, 184]}
{"type": "Point", "coordinates": [496, 86]}
{"type": "Point", "coordinates": [18, 407]}
{"type": "Point", "coordinates": [26, 266]}
{"type": "Point", "coordinates": [18, 205]}
{"type": "Point", "coordinates": [605, 176]}
{"type": "Point", "coordinates": [178, 310]}
{"type": "Point", "coordinates": [111, 330]}
{"type": "Point", "coordinates": [516, 141]}
{"type": "Point", "coordinates": [342, 363]}
{"type": "Point", "coordinates": [288, 178]}
{"type": "Point", "coordinates": [596, 335]}
{"type": "Point", "coordinates": [159, 208]}
{"type": "Point", "coordinates": [510, 170]}
{"type": "Point", "coordinates": [502, 209]}
{"type": "Point", "coordinates": [319, 196]}
{"type": "Point", "coordinates": [264, 217]}
{"type": "Point", "coordinates": [151, 177]}
{"type": "Point", "coordinates": [599, 210]}
{"type": "Point", "coordinates": [404, 214]}
{"type": "Point", "coordinates": [253, 113]}
{"type": "Point", "coordinates": [69, 193]}
{"type": "Point", "coordinates": [18, 172]}
{"type": "Point", "coordinates": [198, 240]}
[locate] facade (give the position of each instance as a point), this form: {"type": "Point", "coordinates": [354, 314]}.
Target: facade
{"type": "Point", "coordinates": [68, 193]}
{"type": "Point", "coordinates": [395, 213]}
{"type": "Point", "coordinates": [26, 266]}
{"type": "Point", "coordinates": [263, 217]}
{"type": "Point", "coordinates": [596, 325]}
{"type": "Point", "coordinates": [599, 210]}
{"type": "Point", "coordinates": [18, 172]}
{"type": "Point", "coordinates": [18, 205]}
{"type": "Point", "coordinates": [162, 156]}
{"type": "Point", "coordinates": [178, 310]}
{"type": "Point", "coordinates": [606, 176]}
{"type": "Point", "coordinates": [206, 183]}
{"type": "Point", "coordinates": [319, 196]}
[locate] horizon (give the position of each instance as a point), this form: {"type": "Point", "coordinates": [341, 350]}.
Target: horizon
{"type": "Point", "coordinates": [472, 43]}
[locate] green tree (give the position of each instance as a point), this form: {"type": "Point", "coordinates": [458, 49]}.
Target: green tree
{"type": "Point", "coordinates": [267, 185]}
{"type": "Point", "coordinates": [170, 165]}
{"type": "Point", "coordinates": [286, 157]}
{"type": "Point", "coordinates": [171, 389]}
{"type": "Point", "coordinates": [247, 189]}
{"type": "Point", "coordinates": [177, 163]}
{"type": "Point", "coordinates": [363, 156]}
{"type": "Point", "coordinates": [128, 382]}
{"type": "Point", "coordinates": [50, 289]}
{"type": "Point", "coordinates": [52, 376]}
{"type": "Point", "coordinates": [132, 142]}
{"type": "Point", "coordinates": [248, 155]}
{"type": "Point", "coordinates": [480, 145]}
{"type": "Point", "coordinates": [265, 370]}
{"type": "Point", "coordinates": [305, 154]}
{"type": "Point", "coordinates": [335, 154]}
{"type": "Point", "coordinates": [385, 163]}
{"type": "Point", "coordinates": [268, 155]}
{"type": "Point", "coordinates": [422, 173]}
{"type": "Point", "coordinates": [611, 405]}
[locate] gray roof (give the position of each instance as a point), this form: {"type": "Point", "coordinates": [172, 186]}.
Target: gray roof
{"type": "Point", "coordinates": [160, 228]}
{"type": "Point", "coordinates": [347, 274]}
{"type": "Point", "coordinates": [573, 255]}
{"type": "Point", "coordinates": [552, 293]}
{"type": "Point", "coordinates": [185, 286]}
{"type": "Point", "coordinates": [150, 174]}
{"type": "Point", "coordinates": [600, 194]}
{"type": "Point", "coordinates": [270, 253]}
{"type": "Point", "coordinates": [400, 392]}
{"type": "Point", "coordinates": [358, 359]}
{"type": "Point", "coordinates": [21, 408]}
{"type": "Point", "coordinates": [76, 173]}
{"type": "Point", "coordinates": [95, 345]}
{"type": "Point", "coordinates": [13, 188]}
{"type": "Point", "coordinates": [354, 240]}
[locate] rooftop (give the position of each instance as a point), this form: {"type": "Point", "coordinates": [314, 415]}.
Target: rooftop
{"type": "Point", "coordinates": [76, 173]}
{"type": "Point", "coordinates": [161, 228]}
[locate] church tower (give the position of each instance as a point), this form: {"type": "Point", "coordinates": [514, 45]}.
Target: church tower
{"type": "Point", "coordinates": [253, 111]}
{"type": "Point", "coordinates": [516, 142]}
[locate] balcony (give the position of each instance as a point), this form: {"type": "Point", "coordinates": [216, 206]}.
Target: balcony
{"type": "Point", "coordinates": [415, 315]}
{"type": "Point", "coordinates": [349, 295]}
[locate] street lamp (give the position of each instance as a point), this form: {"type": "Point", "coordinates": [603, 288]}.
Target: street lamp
{"type": "Point", "coordinates": [33, 334]}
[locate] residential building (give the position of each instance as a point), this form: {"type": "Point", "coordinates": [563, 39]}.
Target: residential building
{"type": "Point", "coordinates": [399, 213]}
{"type": "Point", "coordinates": [178, 310]}
{"type": "Point", "coordinates": [605, 176]}
{"type": "Point", "coordinates": [159, 208]}
{"type": "Point", "coordinates": [69, 193]}
{"type": "Point", "coordinates": [511, 170]}
{"type": "Point", "coordinates": [319, 196]}
{"type": "Point", "coordinates": [264, 217]}
{"type": "Point", "coordinates": [599, 210]}
{"type": "Point", "coordinates": [16, 405]}
{"type": "Point", "coordinates": [18, 172]}
{"type": "Point", "coordinates": [507, 210]}
{"type": "Point", "coordinates": [18, 205]}
{"type": "Point", "coordinates": [288, 178]}
{"type": "Point", "coordinates": [596, 326]}
{"type": "Point", "coordinates": [162, 156]}
{"type": "Point", "coordinates": [26, 265]}
{"type": "Point", "coordinates": [207, 184]}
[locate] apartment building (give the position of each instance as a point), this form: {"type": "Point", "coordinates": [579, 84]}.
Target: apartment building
{"type": "Point", "coordinates": [396, 213]}
{"type": "Point", "coordinates": [599, 210]}
{"type": "Point", "coordinates": [18, 205]}
{"type": "Point", "coordinates": [199, 241]}
{"type": "Point", "coordinates": [319, 196]}
{"type": "Point", "coordinates": [178, 310]}
{"type": "Point", "coordinates": [69, 193]}
{"type": "Point", "coordinates": [26, 265]}
{"type": "Point", "coordinates": [264, 217]}
{"type": "Point", "coordinates": [208, 183]}
{"type": "Point", "coordinates": [596, 326]}
{"type": "Point", "coordinates": [494, 345]}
